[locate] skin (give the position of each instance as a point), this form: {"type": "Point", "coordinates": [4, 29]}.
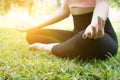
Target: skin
{"type": "Point", "coordinates": [94, 30]}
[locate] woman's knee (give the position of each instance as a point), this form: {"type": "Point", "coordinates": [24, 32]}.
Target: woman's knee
{"type": "Point", "coordinates": [30, 37]}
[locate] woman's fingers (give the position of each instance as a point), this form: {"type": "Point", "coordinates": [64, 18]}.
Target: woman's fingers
{"type": "Point", "coordinates": [89, 35]}
{"type": "Point", "coordinates": [100, 27]}
{"type": "Point", "coordinates": [84, 36]}
{"type": "Point", "coordinates": [94, 33]}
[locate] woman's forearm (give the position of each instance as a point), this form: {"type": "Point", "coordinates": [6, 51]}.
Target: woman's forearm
{"type": "Point", "coordinates": [53, 19]}
{"type": "Point", "coordinates": [60, 15]}
{"type": "Point", "coordinates": [101, 9]}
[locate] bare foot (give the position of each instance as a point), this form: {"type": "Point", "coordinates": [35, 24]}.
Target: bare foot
{"type": "Point", "coordinates": [41, 46]}
{"type": "Point", "coordinates": [35, 46]}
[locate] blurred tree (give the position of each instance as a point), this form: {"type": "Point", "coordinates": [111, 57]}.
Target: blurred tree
{"type": "Point", "coordinates": [4, 6]}
{"type": "Point", "coordinates": [44, 6]}
{"type": "Point", "coordinates": [115, 3]}
{"type": "Point", "coordinates": [47, 6]}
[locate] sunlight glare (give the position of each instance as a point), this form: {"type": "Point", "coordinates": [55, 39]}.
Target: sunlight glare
{"type": "Point", "coordinates": [19, 16]}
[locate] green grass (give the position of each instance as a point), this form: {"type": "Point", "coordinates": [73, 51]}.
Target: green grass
{"type": "Point", "coordinates": [18, 63]}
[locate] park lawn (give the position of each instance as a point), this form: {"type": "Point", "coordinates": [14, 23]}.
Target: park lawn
{"type": "Point", "coordinates": [18, 63]}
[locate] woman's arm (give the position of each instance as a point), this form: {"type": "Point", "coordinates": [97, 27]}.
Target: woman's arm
{"type": "Point", "coordinates": [101, 9]}
{"type": "Point", "coordinates": [96, 29]}
{"type": "Point", "coordinates": [58, 16]}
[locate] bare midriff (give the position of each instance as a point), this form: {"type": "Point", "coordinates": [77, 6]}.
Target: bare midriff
{"type": "Point", "coordinates": [79, 7]}
{"type": "Point", "coordinates": [80, 10]}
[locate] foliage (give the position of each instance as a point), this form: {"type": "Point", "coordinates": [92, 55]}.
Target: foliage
{"type": "Point", "coordinates": [115, 3]}
{"type": "Point", "coordinates": [18, 63]}
{"type": "Point", "coordinates": [35, 5]}
{"type": "Point", "coordinates": [29, 5]}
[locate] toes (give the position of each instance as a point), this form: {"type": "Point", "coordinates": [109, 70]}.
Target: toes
{"type": "Point", "coordinates": [31, 48]}
{"type": "Point", "coordinates": [34, 47]}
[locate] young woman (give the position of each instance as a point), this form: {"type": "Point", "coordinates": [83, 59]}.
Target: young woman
{"type": "Point", "coordinates": [92, 36]}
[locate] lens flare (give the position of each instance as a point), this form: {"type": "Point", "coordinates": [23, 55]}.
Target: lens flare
{"type": "Point", "coordinates": [18, 16]}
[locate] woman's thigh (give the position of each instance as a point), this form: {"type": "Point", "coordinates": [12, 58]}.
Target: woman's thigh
{"type": "Point", "coordinates": [86, 48]}
{"type": "Point", "coordinates": [48, 35]}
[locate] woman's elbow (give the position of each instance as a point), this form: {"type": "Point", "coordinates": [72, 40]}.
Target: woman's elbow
{"type": "Point", "coordinates": [67, 15]}
{"type": "Point", "coordinates": [64, 13]}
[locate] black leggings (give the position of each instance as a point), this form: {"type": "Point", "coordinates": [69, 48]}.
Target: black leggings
{"type": "Point", "coordinates": [72, 45]}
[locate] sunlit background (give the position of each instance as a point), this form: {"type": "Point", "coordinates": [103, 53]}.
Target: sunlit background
{"type": "Point", "coordinates": [15, 12]}
{"type": "Point", "coordinates": [31, 12]}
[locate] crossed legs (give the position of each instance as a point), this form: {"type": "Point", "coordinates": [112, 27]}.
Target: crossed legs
{"type": "Point", "coordinates": [76, 46]}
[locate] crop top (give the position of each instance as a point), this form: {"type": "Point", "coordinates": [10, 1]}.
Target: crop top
{"type": "Point", "coordinates": [81, 3]}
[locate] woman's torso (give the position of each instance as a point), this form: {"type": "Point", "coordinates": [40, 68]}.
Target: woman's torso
{"type": "Point", "coordinates": [78, 7]}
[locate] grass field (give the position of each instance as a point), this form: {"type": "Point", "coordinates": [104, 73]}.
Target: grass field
{"type": "Point", "coordinates": [18, 63]}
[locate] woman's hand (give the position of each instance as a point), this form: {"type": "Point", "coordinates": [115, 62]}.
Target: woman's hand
{"type": "Point", "coordinates": [96, 31]}
{"type": "Point", "coordinates": [24, 27]}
